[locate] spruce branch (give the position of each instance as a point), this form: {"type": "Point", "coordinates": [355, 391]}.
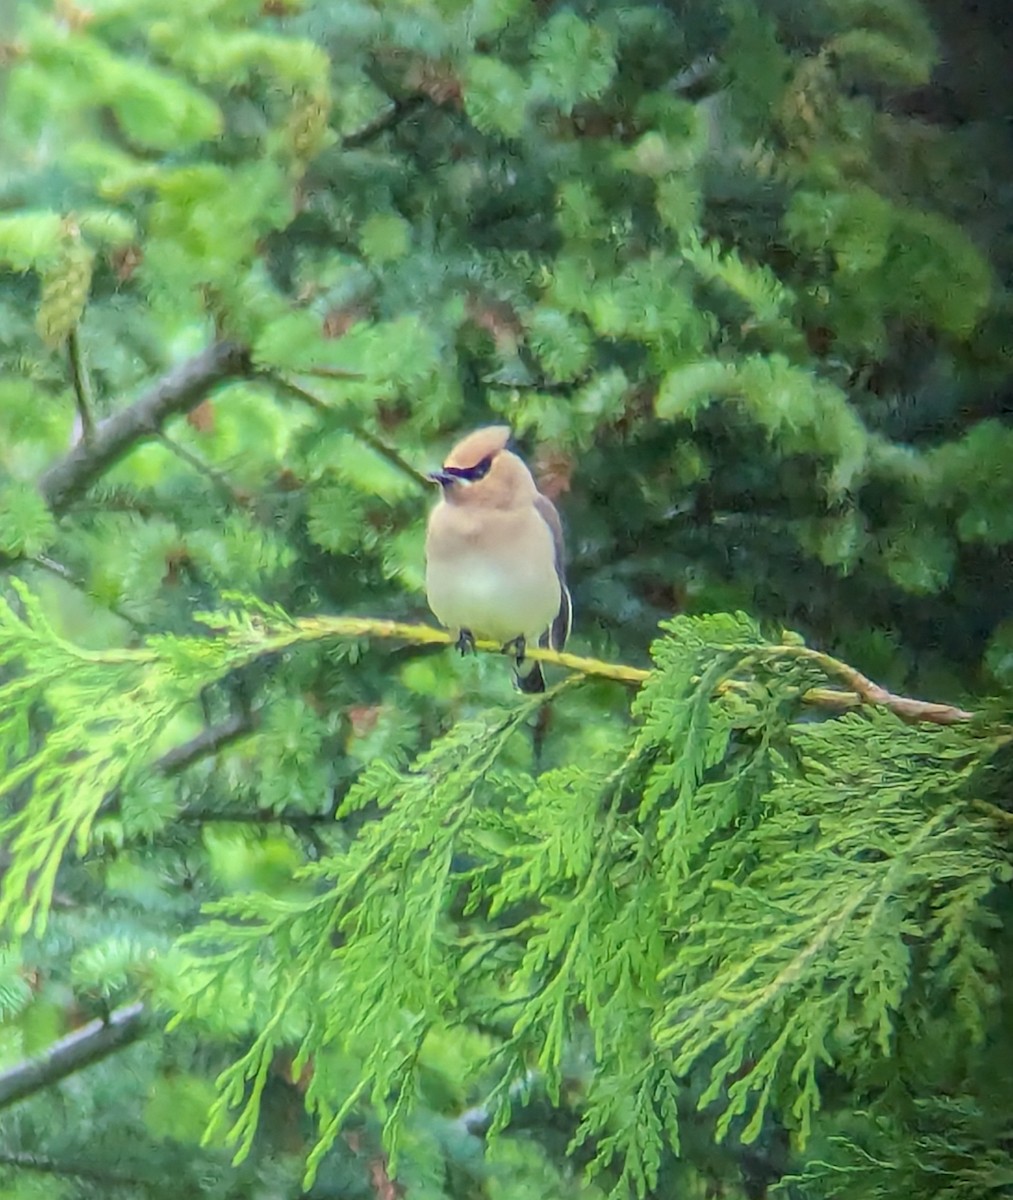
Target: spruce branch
{"type": "Point", "coordinates": [177, 391]}
{"type": "Point", "coordinates": [89, 1044]}
{"type": "Point", "coordinates": [203, 745]}
{"type": "Point", "coordinates": [255, 816]}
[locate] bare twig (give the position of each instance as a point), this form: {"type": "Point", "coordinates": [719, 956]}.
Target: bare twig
{"type": "Point", "coordinates": [210, 473]}
{"type": "Point", "coordinates": [394, 115]}
{"type": "Point", "coordinates": [89, 1044]}
{"type": "Point", "coordinates": [254, 816]}
{"type": "Point", "coordinates": [337, 373]}
{"type": "Point", "coordinates": [208, 741]}
{"type": "Point", "coordinates": [178, 391]}
{"type": "Point", "coordinates": [81, 380]}
{"type": "Point", "coordinates": [369, 439]}
{"type": "Point", "coordinates": [45, 563]}
{"type": "Point", "coordinates": [392, 456]}
{"type": "Point", "coordinates": [72, 1169]}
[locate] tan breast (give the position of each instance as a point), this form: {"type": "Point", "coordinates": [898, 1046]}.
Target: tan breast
{"type": "Point", "coordinates": [491, 572]}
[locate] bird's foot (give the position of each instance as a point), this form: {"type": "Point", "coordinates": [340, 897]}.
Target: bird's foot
{"type": "Point", "coordinates": [516, 646]}
{"type": "Point", "coordinates": [465, 643]}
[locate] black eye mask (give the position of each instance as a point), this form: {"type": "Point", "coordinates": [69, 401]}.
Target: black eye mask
{"type": "Point", "coordinates": [471, 474]}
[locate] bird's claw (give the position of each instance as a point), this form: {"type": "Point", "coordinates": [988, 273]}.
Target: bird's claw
{"type": "Point", "coordinates": [465, 643]}
{"type": "Point", "coordinates": [516, 646]}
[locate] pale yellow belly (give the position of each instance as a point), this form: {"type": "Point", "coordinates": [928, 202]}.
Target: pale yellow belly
{"type": "Point", "coordinates": [494, 602]}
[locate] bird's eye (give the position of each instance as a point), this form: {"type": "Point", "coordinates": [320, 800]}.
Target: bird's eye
{"type": "Point", "coordinates": [481, 469]}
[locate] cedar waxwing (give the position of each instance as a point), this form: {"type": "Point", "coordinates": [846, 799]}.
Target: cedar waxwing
{"type": "Point", "coordinates": [494, 553]}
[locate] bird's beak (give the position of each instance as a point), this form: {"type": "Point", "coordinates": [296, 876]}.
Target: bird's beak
{"type": "Point", "coordinates": [443, 478]}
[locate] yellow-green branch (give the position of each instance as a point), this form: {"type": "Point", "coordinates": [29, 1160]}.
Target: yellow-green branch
{"type": "Point", "coordinates": [262, 635]}
{"type": "Point", "coordinates": [860, 690]}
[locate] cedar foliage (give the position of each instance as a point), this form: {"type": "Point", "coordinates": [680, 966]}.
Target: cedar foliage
{"type": "Point", "coordinates": [747, 314]}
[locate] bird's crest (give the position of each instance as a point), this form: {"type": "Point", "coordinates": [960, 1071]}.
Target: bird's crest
{"type": "Point", "coordinates": [480, 444]}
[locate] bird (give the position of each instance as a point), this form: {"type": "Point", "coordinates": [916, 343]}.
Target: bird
{"type": "Point", "coordinates": [494, 554]}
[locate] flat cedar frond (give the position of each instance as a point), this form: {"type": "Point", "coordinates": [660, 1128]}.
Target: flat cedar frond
{"type": "Point", "coordinates": [948, 1147]}
{"type": "Point", "coordinates": [726, 904]}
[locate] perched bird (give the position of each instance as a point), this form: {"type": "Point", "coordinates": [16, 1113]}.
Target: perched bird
{"type": "Point", "coordinates": [494, 553]}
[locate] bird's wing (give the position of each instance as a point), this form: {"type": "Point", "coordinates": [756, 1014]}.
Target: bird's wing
{"type": "Point", "coordinates": [559, 631]}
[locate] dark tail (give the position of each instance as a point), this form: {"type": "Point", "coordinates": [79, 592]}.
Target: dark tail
{"type": "Point", "coordinates": [529, 677]}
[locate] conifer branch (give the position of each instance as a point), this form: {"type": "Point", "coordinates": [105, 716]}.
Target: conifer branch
{"type": "Point", "coordinates": [92, 1042]}
{"type": "Point", "coordinates": [863, 690]}
{"type": "Point", "coordinates": [177, 391]}
{"type": "Point", "coordinates": [1002, 815]}
{"type": "Point", "coordinates": [311, 629]}
{"type": "Point", "coordinates": [380, 124]}
{"type": "Point", "coordinates": [204, 744]}
{"type": "Point", "coordinates": [81, 380]}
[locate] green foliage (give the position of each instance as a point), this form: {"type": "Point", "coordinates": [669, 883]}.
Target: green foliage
{"type": "Point", "coordinates": [494, 96]}
{"type": "Point", "coordinates": [572, 61]}
{"type": "Point", "coordinates": [758, 287]}
{"type": "Point", "coordinates": [804, 415]}
{"type": "Point", "coordinates": [561, 346]}
{"type": "Point", "coordinates": [743, 295]}
{"type": "Point", "coordinates": [950, 1148]}
{"type": "Point", "coordinates": [893, 41]}
{"type": "Point", "coordinates": [26, 524]}
{"type": "Point", "coordinates": [29, 238]}
{"type": "Point", "coordinates": [733, 894]}
{"type": "Point", "coordinates": [910, 261]}
{"type": "Point", "coordinates": [155, 109]}
{"type": "Point", "coordinates": [15, 993]}
{"type": "Point", "coordinates": [980, 494]}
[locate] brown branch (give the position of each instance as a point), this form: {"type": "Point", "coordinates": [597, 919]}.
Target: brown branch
{"type": "Point", "coordinates": [178, 391]}
{"type": "Point", "coordinates": [23, 1161]}
{"type": "Point", "coordinates": [394, 115]}
{"type": "Point", "coordinates": [336, 373]}
{"type": "Point", "coordinates": [867, 692]}
{"type": "Point", "coordinates": [254, 816]}
{"type": "Point", "coordinates": [208, 741]}
{"type": "Point", "coordinates": [87, 1045]}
